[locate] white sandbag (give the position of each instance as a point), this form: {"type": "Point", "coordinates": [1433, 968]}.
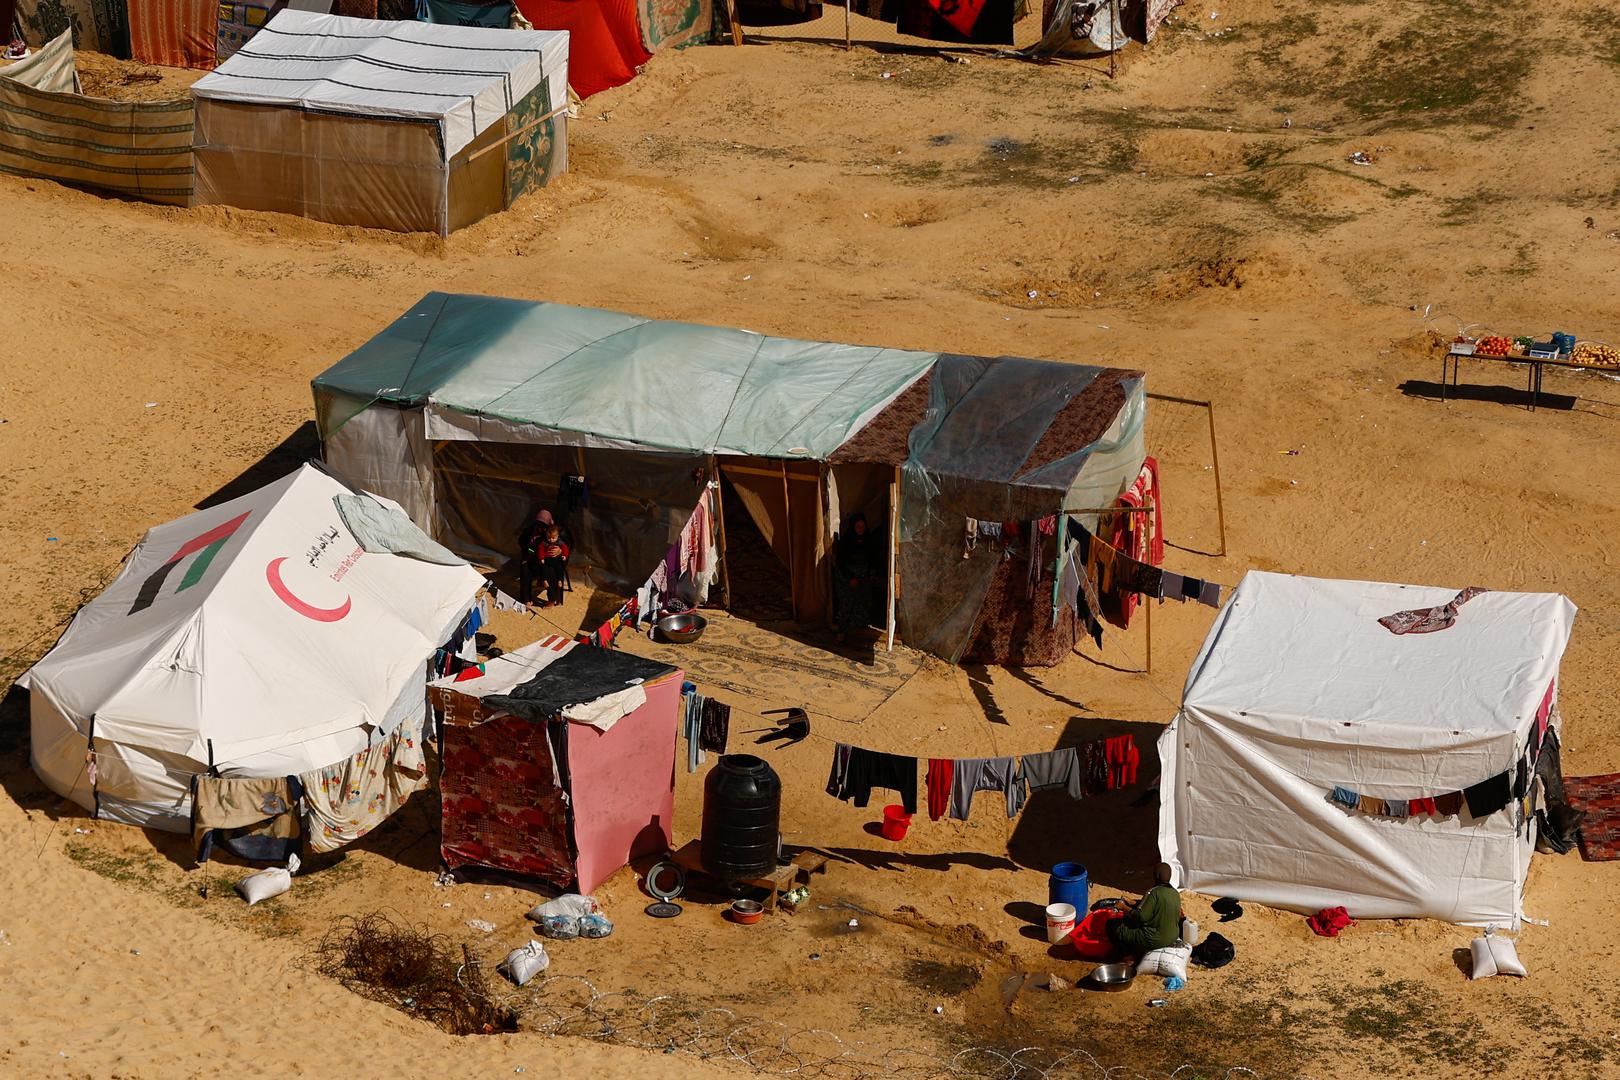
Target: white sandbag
{"type": "Point", "coordinates": [1495, 956]}
{"type": "Point", "coordinates": [1171, 962]}
{"type": "Point", "coordinates": [525, 962]}
{"type": "Point", "coordinates": [268, 883]}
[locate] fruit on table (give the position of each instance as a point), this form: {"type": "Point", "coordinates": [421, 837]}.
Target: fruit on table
{"type": "Point", "coordinates": [1494, 345]}
{"type": "Point", "coordinates": [1595, 354]}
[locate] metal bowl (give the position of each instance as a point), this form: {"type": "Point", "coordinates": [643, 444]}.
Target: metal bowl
{"type": "Point", "coordinates": [746, 912]}
{"type": "Point", "coordinates": [1110, 977]}
{"type": "Point", "coordinates": [682, 629]}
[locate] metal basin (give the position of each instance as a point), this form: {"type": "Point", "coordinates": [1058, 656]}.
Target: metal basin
{"type": "Point", "coordinates": [1110, 977]}
{"type": "Point", "coordinates": [682, 629]}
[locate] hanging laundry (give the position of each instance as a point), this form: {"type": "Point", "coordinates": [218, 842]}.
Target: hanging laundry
{"type": "Point", "coordinates": [1047, 526]}
{"type": "Point", "coordinates": [1054, 770]}
{"type": "Point", "coordinates": [1429, 620]}
{"type": "Point", "coordinates": [868, 769]}
{"type": "Point", "coordinates": [839, 776]}
{"type": "Point", "coordinates": [716, 723]}
{"type": "Point", "coordinates": [1344, 797]}
{"type": "Point", "coordinates": [1488, 796]}
{"type": "Point", "coordinates": [940, 772]}
{"type": "Point", "coordinates": [1370, 805]}
{"type": "Point", "coordinates": [1396, 808]}
{"type": "Point", "coordinates": [1094, 761]}
{"type": "Point", "coordinates": [256, 818]}
{"type": "Point", "coordinates": [972, 775]}
{"type": "Point", "coordinates": [989, 22]}
{"type": "Point", "coordinates": [1210, 595]}
{"type": "Point", "coordinates": [691, 725]}
{"type": "Point", "coordinates": [345, 801]}
{"type": "Point", "coordinates": [970, 540]}
{"type": "Point", "coordinates": [1419, 807]}
{"type": "Point", "coordinates": [573, 492]}
{"type": "Point", "coordinates": [1170, 586]}
{"type": "Point", "coordinates": [503, 602]}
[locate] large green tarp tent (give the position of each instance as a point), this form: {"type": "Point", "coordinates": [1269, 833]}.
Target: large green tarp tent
{"type": "Point", "coordinates": [468, 410]}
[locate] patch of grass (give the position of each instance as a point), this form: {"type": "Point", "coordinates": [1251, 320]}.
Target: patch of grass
{"type": "Point", "coordinates": [1603, 26]}
{"type": "Point", "coordinates": [1467, 209]}
{"type": "Point", "coordinates": [140, 868]}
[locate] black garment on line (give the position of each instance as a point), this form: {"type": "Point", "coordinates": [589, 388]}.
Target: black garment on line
{"type": "Point", "coordinates": [714, 725]}
{"type": "Point", "coordinates": [869, 769]}
{"type": "Point", "coordinates": [1488, 796]}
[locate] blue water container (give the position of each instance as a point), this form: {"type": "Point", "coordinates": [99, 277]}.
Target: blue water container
{"type": "Point", "coordinates": [1069, 885]}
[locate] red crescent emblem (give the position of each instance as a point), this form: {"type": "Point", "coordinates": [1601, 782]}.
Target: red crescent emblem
{"type": "Point", "coordinates": [272, 574]}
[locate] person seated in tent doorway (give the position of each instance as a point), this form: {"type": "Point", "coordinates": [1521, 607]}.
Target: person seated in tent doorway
{"type": "Point", "coordinates": [1154, 922]}
{"type": "Point", "coordinates": [857, 577]}
{"type": "Point", "coordinates": [553, 566]}
{"type": "Point", "coordinates": [531, 539]}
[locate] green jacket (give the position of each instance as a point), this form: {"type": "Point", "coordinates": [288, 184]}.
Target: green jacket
{"type": "Point", "coordinates": [1153, 924]}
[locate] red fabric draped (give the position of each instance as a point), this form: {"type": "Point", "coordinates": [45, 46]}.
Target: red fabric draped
{"type": "Point", "coordinates": [604, 43]}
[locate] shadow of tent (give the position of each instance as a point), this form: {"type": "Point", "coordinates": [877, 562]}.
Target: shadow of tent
{"type": "Point", "coordinates": [1110, 834]}
{"type": "Point", "coordinates": [300, 446]}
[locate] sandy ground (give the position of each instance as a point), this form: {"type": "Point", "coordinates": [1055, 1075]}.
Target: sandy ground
{"type": "Point", "coordinates": [1168, 221]}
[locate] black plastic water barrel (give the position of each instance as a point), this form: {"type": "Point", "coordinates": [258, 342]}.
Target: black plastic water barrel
{"type": "Point", "coordinates": [742, 814]}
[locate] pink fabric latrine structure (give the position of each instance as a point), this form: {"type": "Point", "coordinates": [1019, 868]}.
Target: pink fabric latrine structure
{"type": "Point", "coordinates": [540, 794]}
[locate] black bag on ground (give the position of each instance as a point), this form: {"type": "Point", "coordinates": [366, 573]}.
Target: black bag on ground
{"type": "Point", "coordinates": [1213, 952]}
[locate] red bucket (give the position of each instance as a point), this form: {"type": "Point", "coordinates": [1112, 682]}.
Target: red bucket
{"type": "Point", "coordinates": [895, 822]}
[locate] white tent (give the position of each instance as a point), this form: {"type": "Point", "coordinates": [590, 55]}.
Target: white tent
{"type": "Point", "coordinates": [1299, 689]}
{"type": "Point", "coordinates": [256, 636]}
{"type": "Point", "coordinates": [391, 125]}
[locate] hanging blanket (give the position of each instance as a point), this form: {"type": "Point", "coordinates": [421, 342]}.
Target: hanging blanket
{"type": "Point", "coordinates": [670, 24]}
{"type": "Point", "coordinates": [502, 806]}
{"type": "Point", "coordinates": [344, 802]}
{"type": "Point", "coordinates": [174, 33]}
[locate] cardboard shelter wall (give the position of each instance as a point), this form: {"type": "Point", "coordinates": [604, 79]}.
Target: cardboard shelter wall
{"type": "Point", "coordinates": [339, 168]}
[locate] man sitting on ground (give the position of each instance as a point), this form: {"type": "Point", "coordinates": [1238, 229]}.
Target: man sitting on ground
{"type": "Point", "coordinates": [1154, 922]}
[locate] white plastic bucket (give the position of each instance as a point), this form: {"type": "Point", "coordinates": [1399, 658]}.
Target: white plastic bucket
{"type": "Point", "coordinates": [1059, 922]}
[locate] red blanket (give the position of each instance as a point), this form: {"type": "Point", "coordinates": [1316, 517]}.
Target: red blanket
{"type": "Point", "coordinates": [174, 33]}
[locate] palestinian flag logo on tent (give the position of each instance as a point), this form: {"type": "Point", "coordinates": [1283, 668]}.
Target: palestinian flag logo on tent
{"type": "Point", "coordinates": [204, 547]}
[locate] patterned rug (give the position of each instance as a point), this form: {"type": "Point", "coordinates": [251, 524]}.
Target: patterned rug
{"type": "Point", "coordinates": [1599, 796]}
{"type": "Point", "coordinates": [770, 671]}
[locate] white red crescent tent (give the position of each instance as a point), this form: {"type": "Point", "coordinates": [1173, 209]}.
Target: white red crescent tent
{"type": "Point", "coordinates": [256, 637]}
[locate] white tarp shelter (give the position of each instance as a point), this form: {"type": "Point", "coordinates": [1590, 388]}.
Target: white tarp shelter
{"type": "Point", "coordinates": [1299, 689]}
{"type": "Point", "coordinates": [256, 636]}
{"type": "Point", "coordinates": [398, 125]}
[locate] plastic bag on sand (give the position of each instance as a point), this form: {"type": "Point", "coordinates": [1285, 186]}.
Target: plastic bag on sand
{"type": "Point", "coordinates": [567, 904]}
{"type": "Point", "coordinates": [268, 883]}
{"type": "Point", "coordinates": [595, 926]}
{"type": "Point", "coordinates": [560, 918]}
{"type": "Point", "coordinates": [525, 962]}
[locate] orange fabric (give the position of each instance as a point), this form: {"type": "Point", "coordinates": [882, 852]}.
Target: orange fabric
{"type": "Point", "coordinates": [604, 43]}
{"type": "Point", "coordinates": [174, 33]}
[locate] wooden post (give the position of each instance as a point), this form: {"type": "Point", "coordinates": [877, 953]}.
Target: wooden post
{"type": "Point", "coordinates": [1215, 457]}
{"type": "Point", "coordinates": [1147, 605]}
{"type": "Point", "coordinates": [1113, 34]}
{"type": "Point", "coordinates": [894, 548]}
{"type": "Point", "coordinates": [736, 26]}
{"type": "Point", "coordinates": [720, 541]}
{"type": "Point", "coordinates": [846, 25]}
{"type": "Point", "coordinates": [787, 518]}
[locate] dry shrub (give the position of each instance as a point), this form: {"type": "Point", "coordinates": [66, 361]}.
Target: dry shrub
{"type": "Point", "coordinates": [412, 970]}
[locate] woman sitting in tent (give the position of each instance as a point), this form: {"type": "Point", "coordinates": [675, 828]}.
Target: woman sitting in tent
{"type": "Point", "coordinates": [857, 577]}
{"type": "Point", "coordinates": [1155, 920]}
{"type": "Point", "coordinates": [531, 552]}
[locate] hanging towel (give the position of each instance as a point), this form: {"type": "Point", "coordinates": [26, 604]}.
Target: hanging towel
{"type": "Point", "coordinates": [1449, 803]}
{"type": "Point", "coordinates": [691, 724]}
{"type": "Point", "coordinates": [1416, 807]}
{"type": "Point", "coordinates": [1396, 808]}
{"type": "Point", "coordinates": [1344, 797]}
{"type": "Point", "coordinates": [1210, 595]}
{"type": "Point", "coordinates": [940, 771]}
